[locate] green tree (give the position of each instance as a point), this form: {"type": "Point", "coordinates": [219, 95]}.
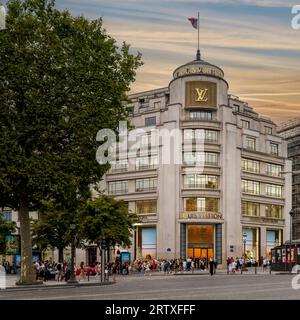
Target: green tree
{"type": "Point", "coordinates": [61, 80]}
{"type": "Point", "coordinates": [52, 229]}
{"type": "Point", "coordinates": [109, 218]}
{"type": "Point", "coordinates": [6, 229]}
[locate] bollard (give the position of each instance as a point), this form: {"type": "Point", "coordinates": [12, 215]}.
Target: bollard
{"type": "Point", "coordinates": [255, 269]}
{"type": "Point", "coordinates": [88, 274]}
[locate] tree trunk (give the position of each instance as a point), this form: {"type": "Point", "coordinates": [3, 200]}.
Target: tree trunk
{"type": "Point", "coordinates": [61, 255]}
{"type": "Point", "coordinates": [27, 271]}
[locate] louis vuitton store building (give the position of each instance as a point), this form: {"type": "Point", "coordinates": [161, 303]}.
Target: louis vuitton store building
{"type": "Point", "coordinates": [236, 203]}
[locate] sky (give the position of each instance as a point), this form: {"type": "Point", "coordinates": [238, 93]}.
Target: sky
{"type": "Point", "coordinates": [251, 40]}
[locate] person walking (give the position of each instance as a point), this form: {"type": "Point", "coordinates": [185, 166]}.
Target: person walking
{"type": "Point", "coordinates": [211, 266]}
{"type": "Point", "coordinates": [59, 269]}
{"type": "Point", "coordinates": [215, 266]}
{"type": "Point", "coordinates": [265, 264]}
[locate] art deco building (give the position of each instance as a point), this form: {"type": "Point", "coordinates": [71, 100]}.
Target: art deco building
{"type": "Point", "coordinates": [291, 132]}
{"type": "Point", "coordinates": [240, 191]}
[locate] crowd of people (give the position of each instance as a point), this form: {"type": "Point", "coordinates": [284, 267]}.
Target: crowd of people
{"type": "Point", "coordinates": [168, 265]}
{"type": "Point", "coordinates": [236, 264]}
{"type": "Point", "coordinates": [10, 268]}
{"type": "Point", "coordinates": [47, 270]}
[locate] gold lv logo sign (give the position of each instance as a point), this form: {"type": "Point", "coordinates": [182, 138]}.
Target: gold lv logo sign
{"type": "Point", "coordinates": [201, 95]}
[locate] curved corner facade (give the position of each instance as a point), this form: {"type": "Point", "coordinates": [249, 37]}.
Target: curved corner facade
{"type": "Point", "coordinates": [238, 203]}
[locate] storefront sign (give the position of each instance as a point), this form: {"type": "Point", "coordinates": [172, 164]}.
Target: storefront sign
{"type": "Point", "coordinates": [201, 215]}
{"type": "Point", "coordinates": [201, 93]}
{"type": "Point", "coordinates": [205, 70]}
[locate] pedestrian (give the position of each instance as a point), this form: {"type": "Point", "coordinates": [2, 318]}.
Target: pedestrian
{"type": "Point", "coordinates": [265, 264]}
{"type": "Point", "coordinates": [211, 266]}
{"type": "Point", "coordinates": [215, 266]}
{"type": "Point", "coordinates": [59, 272]}
{"type": "Point", "coordinates": [82, 271]}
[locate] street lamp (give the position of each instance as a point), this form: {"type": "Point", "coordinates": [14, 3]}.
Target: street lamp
{"type": "Point", "coordinates": [103, 247]}
{"type": "Point", "coordinates": [244, 241]}
{"type": "Point", "coordinates": [73, 249]}
{"type": "Point", "coordinates": [291, 238]}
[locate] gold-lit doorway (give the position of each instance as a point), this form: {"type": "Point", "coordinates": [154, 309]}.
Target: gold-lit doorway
{"type": "Point", "coordinates": [200, 241]}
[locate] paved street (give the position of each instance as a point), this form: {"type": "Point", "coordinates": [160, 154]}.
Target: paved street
{"type": "Point", "coordinates": [181, 287]}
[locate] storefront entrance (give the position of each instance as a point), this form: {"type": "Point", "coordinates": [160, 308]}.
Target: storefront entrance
{"type": "Point", "coordinates": [200, 244]}
{"type": "Point", "coordinates": [200, 253]}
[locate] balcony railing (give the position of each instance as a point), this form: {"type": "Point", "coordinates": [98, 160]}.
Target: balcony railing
{"type": "Point", "coordinates": [145, 189]}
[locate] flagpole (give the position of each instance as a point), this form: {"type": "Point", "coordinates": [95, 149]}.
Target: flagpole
{"type": "Point", "coordinates": [198, 56]}
{"type": "Point", "coordinates": [198, 30]}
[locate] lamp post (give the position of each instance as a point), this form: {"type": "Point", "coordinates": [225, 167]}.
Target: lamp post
{"type": "Point", "coordinates": [73, 249]}
{"type": "Point", "coordinates": [244, 241]}
{"type": "Point", "coordinates": [291, 238]}
{"type": "Point", "coordinates": [103, 247]}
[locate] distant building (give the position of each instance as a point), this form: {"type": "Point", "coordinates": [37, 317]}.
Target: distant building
{"type": "Point", "coordinates": [290, 131]}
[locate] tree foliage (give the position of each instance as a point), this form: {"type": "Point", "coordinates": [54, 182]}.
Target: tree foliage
{"type": "Point", "coordinates": [52, 229]}
{"type": "Point", "coordinates": [61, 80]}
{"type": "Point", "coordinates": [109, 218]}
{"type": "Point", "coordinates": [6, 229]}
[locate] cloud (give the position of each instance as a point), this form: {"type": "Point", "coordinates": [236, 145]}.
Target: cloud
{"type": "Point", "coordinates": [252, 40]}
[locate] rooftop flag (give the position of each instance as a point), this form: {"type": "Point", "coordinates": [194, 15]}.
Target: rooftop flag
{"type": "Point", "coordinates": [194, 22]}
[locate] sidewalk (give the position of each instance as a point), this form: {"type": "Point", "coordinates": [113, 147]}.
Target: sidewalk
{"type": "Point", "coordinates": [250, 271]}
{"type": "Point", "coordinates": [93, 281]}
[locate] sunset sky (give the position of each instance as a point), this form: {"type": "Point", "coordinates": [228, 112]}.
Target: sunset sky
{"type": "Point", "coordinates": [252, 41]}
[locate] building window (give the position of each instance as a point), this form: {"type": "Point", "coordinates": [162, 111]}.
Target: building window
{"type": "Point", "coordinates": [268, 130]}
{"type": "Point", "coordinates": [273, 211]}
{"type": "Point", "coordinates": [250, 186]}
{"type": "Point", "coordinates": [209, 136]}
{"type": "Point", "coordinates": [192, 181]}
{"type": "Point", "coordinates": [145, 141]}
{"type": "Point", "coordinates": [115, 187]}
{"type": "Point", "coordinates": [273, 240]}
{"type": "Point", "coordinates": [273, 190]}
{"type": "Point", "coordinates": [245, 124]}
{"type": "Point", "coordinates": [251, 143]}
{"type": "Point", "coordinates": [250, 209]}
{"type": "Point", "coordinates": [250, 165]}
{"type": "Point", "coordinates": [144, 163]}
{"type": "Point", "coordinates": [252, 242]}
{"type": "Point", "coordinates": [200, 115]}
{"type": "Point", "coordinates": [146, 243]}
{"type": "Point", "coordinates": [197, 157]}
{"type": "Point", "coordinates": [7, 215]}
{"type": "Point", "coordinates": [146, 206]}
{"type": "Point", "coordinates": [119, 166]}
{"type": "Point", "coordinates": [236, 108]}
{"type": "Point", "coordinates": [201, 204]}
{"type": "Point", "coordinates": [150, 121]}
{"type": "Point", "coordinates": [274, 148]}
{"type": "Point", "coordinates": [273, 170]}
{"type": "Point", "coordinates": [148, 184]}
